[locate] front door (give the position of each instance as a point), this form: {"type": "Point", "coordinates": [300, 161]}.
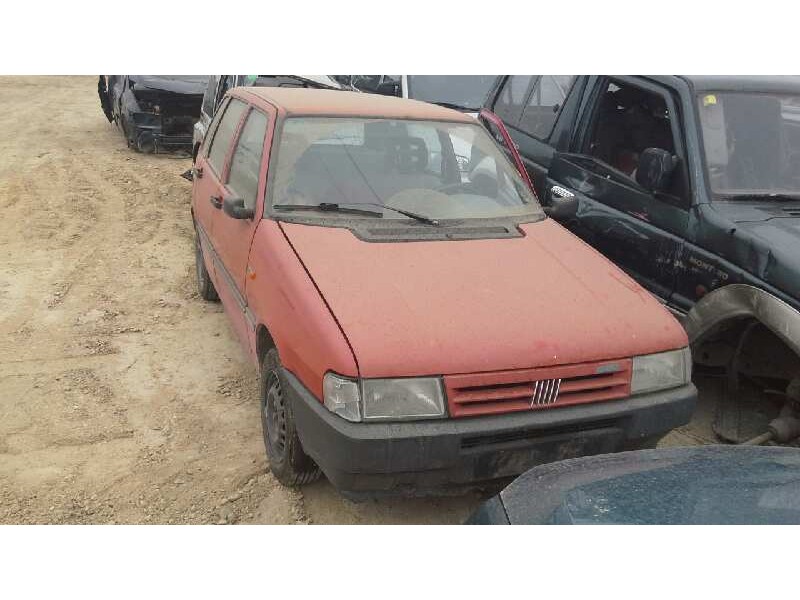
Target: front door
{"type": "Point", "coordinates": [244, 180]}
{"type": "Point", "coordinates": [641, 231]}
{"type": "Point", "coordinates": [210, 171]}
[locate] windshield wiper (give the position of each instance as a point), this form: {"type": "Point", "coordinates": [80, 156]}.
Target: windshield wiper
{"type": "Point", "coordinates": [354, 209]}
{"type": "Point", "coordinates": [778, 196]}
{"type": "Point", "coordinates": [408, 213]}
{"type": "Point", "coordinates": [328, 207]}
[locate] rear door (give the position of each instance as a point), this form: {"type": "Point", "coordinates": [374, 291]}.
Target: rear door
{"type": "Point", "coordinates": [531, 106]}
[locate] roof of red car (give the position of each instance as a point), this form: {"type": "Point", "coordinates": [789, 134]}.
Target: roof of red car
{"type": "Point", "coordinates": [299, 101]}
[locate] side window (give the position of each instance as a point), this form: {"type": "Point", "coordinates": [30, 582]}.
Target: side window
{"type": "Point", "coordinates": [544, 104]}
{"type": "Point", "coordinates": [246, 160]}
{"type": "Point", "coordinates": [224, 135]}
{"type": "Point", "coordinates": [511, 100]}
{"type": "Point", "coordinates": [629, 120]}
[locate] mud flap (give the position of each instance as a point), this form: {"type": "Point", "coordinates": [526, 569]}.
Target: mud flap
{"type": "Point", "coordinates": [105, 97]}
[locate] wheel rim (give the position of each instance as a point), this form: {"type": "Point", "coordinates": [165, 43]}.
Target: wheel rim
{"type": "Point", "coordinates": [275, 416]}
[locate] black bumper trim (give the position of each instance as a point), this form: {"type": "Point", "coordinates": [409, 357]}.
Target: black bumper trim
{"type": "Point", "coordinates": [420, 455]}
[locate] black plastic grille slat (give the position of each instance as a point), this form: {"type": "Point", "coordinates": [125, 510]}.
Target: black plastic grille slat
{"type": "Point", "coordinates": [532, 434]}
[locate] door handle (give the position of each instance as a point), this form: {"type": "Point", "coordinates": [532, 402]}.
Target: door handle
{"type": "Point", "coordinates": [216, 201]}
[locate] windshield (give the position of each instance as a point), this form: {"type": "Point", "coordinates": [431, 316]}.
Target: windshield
{"type": "Point", "coordinates": [751, 142]}
{"type": "Point", "coordinates": [466, 91]}
{"type": "Point", "coordinates": [435, 169]}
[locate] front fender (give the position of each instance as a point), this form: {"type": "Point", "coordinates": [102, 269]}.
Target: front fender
{"type": "Point", "coordinates": [740, 301]}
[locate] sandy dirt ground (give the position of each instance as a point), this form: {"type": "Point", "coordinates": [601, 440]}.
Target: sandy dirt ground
{"type": "Point", "coordinates": [124, 397]}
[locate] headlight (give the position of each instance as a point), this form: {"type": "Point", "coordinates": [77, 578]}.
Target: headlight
{"type": "Point", "coordinates": [399, 399]}
{"type": "Point", "coordinates": [383, 399]}
{"type": "Point", "coordinates": [661, 371]}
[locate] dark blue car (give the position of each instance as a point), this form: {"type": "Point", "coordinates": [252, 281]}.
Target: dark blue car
{"type": "Point", "coordinates": [700, 485]}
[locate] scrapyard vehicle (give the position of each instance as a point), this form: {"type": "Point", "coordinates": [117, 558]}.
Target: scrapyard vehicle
{"type": "Point", "coordinates": [419, 322]}
{"type": "Point", "coordinates": [701, 485]}
{"type": "Point", "coordinates": [154, 111]}
{"type": "Point", "coordinates": [218, 85]}
{"type": "Point", "coordinates": [692, 186]}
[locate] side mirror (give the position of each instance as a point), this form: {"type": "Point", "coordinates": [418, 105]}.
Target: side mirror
{"type": "Point", "coordinates": [235, 208]}
{"type": "Point", "coordinates": [562, 204]}
{"type": "Point", "coordinates": [655, 169]}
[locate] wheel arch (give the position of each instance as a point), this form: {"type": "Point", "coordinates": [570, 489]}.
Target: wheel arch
{"type": "Point", "coordinates": [264, 341]}
{"type": "Point", "coordinates": [737, 303]}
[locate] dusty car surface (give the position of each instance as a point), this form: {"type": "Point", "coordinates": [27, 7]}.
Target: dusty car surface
{"type": "Point", "coordinates": [418, 320]}
{"type": "Point", "coordinates": [154, 111]}
{"type": "Point", "coordinates": [705, 485]}
{"type": "Point", "coordinates": [691, 184]}
{"type": "Point", "coordinates": [218, 85]}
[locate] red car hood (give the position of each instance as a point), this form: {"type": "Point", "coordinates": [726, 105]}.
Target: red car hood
{"type": "Point", "coordinates": [445, 307]}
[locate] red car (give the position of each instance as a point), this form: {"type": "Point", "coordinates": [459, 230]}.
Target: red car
{"type": "Point", "coordinates": [418, 320]}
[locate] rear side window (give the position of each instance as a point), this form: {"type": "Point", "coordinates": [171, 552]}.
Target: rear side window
{"type": "Point", "coordinates": [511, 100]}
{"type": "Point", "coordinates": [208, 97]}
{"type": "Point", "coordinates": [246, 160]}
{"type": "Point", "coordinates": [227, 82]}
{"type": "Point", "coordinates": [224, 135]}
{"type": "Point", "coordinates": [544, 104]}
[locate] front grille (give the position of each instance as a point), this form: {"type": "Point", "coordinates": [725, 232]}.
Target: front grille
{"type": "Point", "coordinates": [535, 389]}
{"type": "Point", "coordinates": [545, 391]}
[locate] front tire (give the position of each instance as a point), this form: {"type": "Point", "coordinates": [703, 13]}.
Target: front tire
{"type": "Point", "coordinates": [287, 460]}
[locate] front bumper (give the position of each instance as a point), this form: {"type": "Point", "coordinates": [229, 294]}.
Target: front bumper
{"type": "Point", "coordinates": [415, 457]}
{"type": "Point", "coordinates": [160, 131]}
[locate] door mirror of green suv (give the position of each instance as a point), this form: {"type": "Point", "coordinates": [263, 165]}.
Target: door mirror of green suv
{"type": "Point", "coordinates": [655, 169]}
